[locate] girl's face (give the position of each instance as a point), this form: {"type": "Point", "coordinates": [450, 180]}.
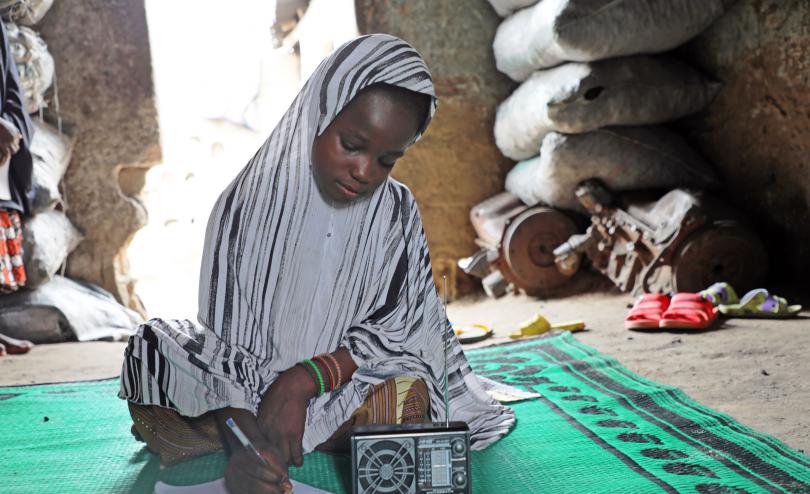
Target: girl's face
{"type": "Point", "coordinates": [357, 151]}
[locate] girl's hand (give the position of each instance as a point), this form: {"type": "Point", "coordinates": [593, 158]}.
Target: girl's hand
{"type": "Point", "coordinates": [9, 139]}
{"type": "Point", "coordinates": [246, 473]}
{"type": "Point", "coordinates": [283, 412]}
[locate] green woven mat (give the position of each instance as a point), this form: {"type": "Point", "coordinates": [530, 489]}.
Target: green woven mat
{"type": "Point", "coordinates": [597, 428]}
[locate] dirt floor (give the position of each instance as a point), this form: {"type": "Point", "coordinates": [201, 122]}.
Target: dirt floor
{"type": "Point", "coordinates": [754, 370]}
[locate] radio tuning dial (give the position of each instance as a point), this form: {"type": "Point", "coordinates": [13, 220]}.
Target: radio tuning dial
{"type": "Point", "coordinates": [459, 448]}
{"type": "Point", "coordinates": [459, 479]}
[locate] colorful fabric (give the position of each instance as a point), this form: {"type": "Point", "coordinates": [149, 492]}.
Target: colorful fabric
{"type": "Point", "coordinates": [171, 436]}
{"type": "Point", "coordinates": [12, 271]}
{"type": "Point", "coordinates": [402, 400]}
{"type": "Point", "coordinates": [288, 274]}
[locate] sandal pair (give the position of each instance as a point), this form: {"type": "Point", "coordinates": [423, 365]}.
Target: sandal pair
{"type": "Point", "coordinates": [682, 311]}
{"type": "Point", "coordinates": [757, 303]}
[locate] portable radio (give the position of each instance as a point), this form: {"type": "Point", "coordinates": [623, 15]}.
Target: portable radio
{"type": "Point", "coordinates": [411, 459]}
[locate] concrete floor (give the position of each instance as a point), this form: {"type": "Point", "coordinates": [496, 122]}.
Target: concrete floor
{"type": "Point", "coordinates": [754, 370]}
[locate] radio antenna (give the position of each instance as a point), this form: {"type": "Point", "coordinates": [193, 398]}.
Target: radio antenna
{"type": "Point", "coordinates": [446, 389]}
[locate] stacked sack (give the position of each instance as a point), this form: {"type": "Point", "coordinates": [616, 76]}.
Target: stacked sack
{"type": "Point", "coordinates": [592, 96]}
{"type": "Point", "coordinates": [50, 308]}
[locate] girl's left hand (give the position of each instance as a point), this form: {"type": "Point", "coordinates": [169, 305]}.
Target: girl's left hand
{"type": "Point", "coordinates": [283, 411]}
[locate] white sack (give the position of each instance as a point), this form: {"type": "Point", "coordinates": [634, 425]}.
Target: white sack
{"type": "Point", "coordinates": [579, 97]}
{"type": "Point", "coordinates": [51, 152]}
{"type": "Point", "coordinates": [48, 238]}
{"type": "Point", "coordinates": [65, 310]}
{"type": "Point", "coordinates": [556, 31]}
{"type": "Point", "coordinates": [506, 7]}
{"type": "Point", "coordinates": [623, 158]}
{"type": "Point", "coordinates": [34, 63]}
{"type": "Point", "coordinates": [25, 12]}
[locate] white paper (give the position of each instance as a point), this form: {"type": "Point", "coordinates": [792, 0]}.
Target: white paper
{"type": "Point", "coordinates": [5, 187]}
{"type": "Point", "coordinates": [503, 392]}
{"type": "Point", "coordinates": [218, 487]}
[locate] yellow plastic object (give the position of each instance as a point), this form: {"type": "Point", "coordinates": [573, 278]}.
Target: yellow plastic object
{"type": "Point", "coordinates": [539, 325]}
{"type": "Point", "coordinates": [472, 333]}
{"type": "Point", "coordinates": [472, 328]}
{"type": "Point", "coordinates": [569, 325]}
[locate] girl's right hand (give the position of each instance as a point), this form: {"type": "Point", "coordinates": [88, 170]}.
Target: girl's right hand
{"type": "Point", "coordinates": [246, 473]}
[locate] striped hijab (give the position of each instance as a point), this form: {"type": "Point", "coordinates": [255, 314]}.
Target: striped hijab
{"type": "Point", "coordinates": [287, 274]}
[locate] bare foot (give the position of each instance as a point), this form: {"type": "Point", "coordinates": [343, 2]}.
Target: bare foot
{"type": "Point", "coordinates": [13, 346]}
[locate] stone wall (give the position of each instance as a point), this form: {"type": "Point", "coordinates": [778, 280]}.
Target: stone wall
{"type": "Point", "coordinates": [104, 71]}
{"type": "Point", "coordinates": [757, 132]}
{"type": "Point", "coordinates": [456, 164]}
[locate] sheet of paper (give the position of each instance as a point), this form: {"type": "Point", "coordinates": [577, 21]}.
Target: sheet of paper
{"type": "Point", "coordinates": [5, 187]}
{"type": "Point", "coordinates": [503, 392]}
{"type": "Point", "coordinates": [218, 487]}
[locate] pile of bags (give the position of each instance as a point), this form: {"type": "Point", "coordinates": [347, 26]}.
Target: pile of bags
{"type": "Point", "coordinates": [593, 95]}
{"type": "Point", "coordinates": [50, 308]}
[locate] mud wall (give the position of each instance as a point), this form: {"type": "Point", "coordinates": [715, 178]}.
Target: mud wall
{"type": "Point", "coordinates": [456, 164]}
{"type": "Point", "coordinates": [104, 70]}
{"type": "Point", "coordinates": [757, 132]}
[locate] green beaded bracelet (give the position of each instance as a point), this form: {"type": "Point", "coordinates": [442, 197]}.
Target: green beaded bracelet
{"type": "Point", "coordinates": [317, 373]}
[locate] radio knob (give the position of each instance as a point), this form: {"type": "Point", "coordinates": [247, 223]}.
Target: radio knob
{"type": "Point", "coordinates": [459, 448]}
{"type": "Point", "coordinates": [459, 479]}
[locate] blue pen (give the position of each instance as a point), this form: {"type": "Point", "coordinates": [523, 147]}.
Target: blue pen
{"type": "Point", "coordinates": [244, 440]}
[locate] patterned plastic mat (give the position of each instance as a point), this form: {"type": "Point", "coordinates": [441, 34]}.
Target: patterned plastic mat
{"type": "Point", "coordinates": [598, 428]}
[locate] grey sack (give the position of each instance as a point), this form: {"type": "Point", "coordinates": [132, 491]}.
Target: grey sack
{"type": "Point", "coordinates": [48, 238]}
{"type": "Point", "coordinates": [580, 97]}
{"type": "Point", "coordinates": [556, 31]}
{"type": "Point", "coordinates": [623, 158]}
{"type": "Point", "coordinates": [64, 310]}
{"type": "Point", "coordinates": [51, 152]}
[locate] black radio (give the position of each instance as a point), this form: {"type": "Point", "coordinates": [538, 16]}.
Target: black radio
{"type": "Point", "coordinates": [411, 459]}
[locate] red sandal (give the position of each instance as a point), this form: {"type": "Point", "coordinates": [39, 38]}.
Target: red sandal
{"type": "Point", "coordinates": [647, 311]}
{"type": "Point", "coordinates": [689, 311]}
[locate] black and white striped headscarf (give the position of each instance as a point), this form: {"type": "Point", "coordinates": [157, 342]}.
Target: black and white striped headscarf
{"type": "Point", "coordinates": [287, 274]}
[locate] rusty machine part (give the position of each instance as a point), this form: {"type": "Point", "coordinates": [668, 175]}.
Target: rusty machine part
{"type": "Point", "coordinates": [682, 242]}
{"type": "Point", "coordinates": [517, 246]}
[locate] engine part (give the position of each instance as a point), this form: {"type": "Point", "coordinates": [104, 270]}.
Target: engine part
{"type": "Point", "coordinates": [682, 242]}
{"type": "Point", "coordinates": [517, 246]}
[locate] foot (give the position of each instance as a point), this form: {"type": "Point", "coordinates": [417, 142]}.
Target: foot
{"type": "Point", "coordinates": [135, 433]}
{"type": "Point", "coordinates": [13, 346]}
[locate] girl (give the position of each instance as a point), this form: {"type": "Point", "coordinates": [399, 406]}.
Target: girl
{"type": "Point", "coordinates": [317, 304]}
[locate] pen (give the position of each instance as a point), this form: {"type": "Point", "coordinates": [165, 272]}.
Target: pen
{"type": "Point", "coordinates": [244, 440]}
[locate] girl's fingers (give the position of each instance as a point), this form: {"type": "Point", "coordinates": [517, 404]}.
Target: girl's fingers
{"type": "Point", "coordinates": [285, 450]}
{"type": "Point", "coordinates": [296, 453]}
{"type": "Point", "coordinates": [274, 463]}
{"type": "Point", "coordinates": [244, 475]}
